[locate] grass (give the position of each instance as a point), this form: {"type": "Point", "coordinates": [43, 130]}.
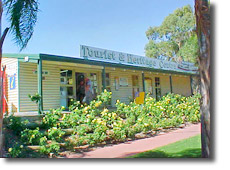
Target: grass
{"type": "Point", "coordinates": [187, 148]}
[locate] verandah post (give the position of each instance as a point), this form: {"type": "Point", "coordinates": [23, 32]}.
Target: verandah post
{"type": "Point", "coordinates": [40, 102]}
{"type": "Point", "coordinates": [191, 82]}
{"type": "Point", "coordinates": [143, 81]}
{"type": "Point", "coordinates": [103, 78]}
{"type": "Point", "coordinates": [170, 80]}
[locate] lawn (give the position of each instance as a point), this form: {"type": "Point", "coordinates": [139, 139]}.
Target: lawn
{"type": "Point", "coordinates": [187, 148]}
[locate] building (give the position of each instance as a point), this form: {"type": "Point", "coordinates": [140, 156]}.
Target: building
{"type": "Point", "coordinates": [58, 79]}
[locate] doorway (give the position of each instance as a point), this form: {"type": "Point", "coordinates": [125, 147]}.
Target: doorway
{"type": "Point", "coordinates": [135, 84]}
{"type": "Point", "coordinates": [66, 87]}
{"type": "Point", "coordinates": [148, 86]}
{"type": "Point", "coordinates": [80, 86]}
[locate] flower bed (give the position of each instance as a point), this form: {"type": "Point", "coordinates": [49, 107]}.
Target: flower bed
{"type": "Point", "coordinates": [90, 125]}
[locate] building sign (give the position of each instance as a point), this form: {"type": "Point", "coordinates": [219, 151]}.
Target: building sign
{"type": "Point", "coordinates": [92, 53]}
{"type": "Point", "coordinates": [12, 80]}
{"type": "Point", "coordinates": [11, 71]}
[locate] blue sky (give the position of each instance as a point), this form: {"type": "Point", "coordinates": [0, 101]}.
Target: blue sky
{"type": "Point", "coordinates": [118, 25]}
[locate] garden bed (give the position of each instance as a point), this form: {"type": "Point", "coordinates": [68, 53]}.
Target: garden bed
{"type": "Point", "coordinates": [88, 126]}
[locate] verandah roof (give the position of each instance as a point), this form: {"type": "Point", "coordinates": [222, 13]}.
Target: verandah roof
{"type": "Point", "coordinates": [50, 57]}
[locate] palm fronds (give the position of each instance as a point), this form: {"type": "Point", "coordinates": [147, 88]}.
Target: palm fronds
{"type": "Point", "coordinates": [23, 17]}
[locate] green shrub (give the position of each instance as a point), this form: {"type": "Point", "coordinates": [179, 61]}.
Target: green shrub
{"type": "Point", "coordinates": [16, 151]}
{"type": "Point", "coordinates": [55, 134]}
{"type": "Point", "coordinates": [35, 98]}
{"type": "Point", "coordinates": [15, 124]}
{"type": "Point", "coordinates": [31, 137]}
{"type": "Point", "coordinates": [48, 148]}
{"type": "Point", "coordinates": [51, 119]}
{"type": "Point", "coordinates": [94, 124]}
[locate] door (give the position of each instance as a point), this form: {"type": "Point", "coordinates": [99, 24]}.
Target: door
{"type": "Point", "coordinates": [135, 84]}
{"type": "Point", "coordinates": [80, 86]}
{"type": "Point", "coordinates": [66, 87]}
{"type": "Point", "coordinates": [63, 91]}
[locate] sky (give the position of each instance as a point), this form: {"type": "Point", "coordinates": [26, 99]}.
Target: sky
{"type": "Point", "coordinates": [118, 25]}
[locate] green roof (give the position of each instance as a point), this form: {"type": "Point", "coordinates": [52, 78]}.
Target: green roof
{"type": "Point", "coordinates": [50, 57]}
{"type": "Point", "coordinates": [20, 56]}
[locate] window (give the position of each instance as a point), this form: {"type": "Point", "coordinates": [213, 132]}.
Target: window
{"type": "Point", "coordinates": [157, 88]}
{"type": "Point", "coordinates": [135, 80]}
{"type": "Point", "coordinates": [66, 77]}
{"type": "Point", "coordinates": [70, 91]}
{"type": "Point", "coordinates": [66, 87]}
{"type": "Point", "coordinates": [148, 85]}
{"type": "Point", "coordinates": [107, 82]}
{"type": "Point", "coordinates": [93, 78]}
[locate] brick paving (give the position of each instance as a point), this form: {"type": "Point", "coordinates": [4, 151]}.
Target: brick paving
{"type": "Point", "coordinates": [141, 145]}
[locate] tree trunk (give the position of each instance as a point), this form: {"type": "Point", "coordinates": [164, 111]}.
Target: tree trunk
{"type": "Point", "coordinates": [202, 11]}
{"type": "Point", "coordinates": [1, 87]}
{"type": "Point", "coordinates": [2, 38]}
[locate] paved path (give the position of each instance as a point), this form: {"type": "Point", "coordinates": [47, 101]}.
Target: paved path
{"type": "Point", "coordinates": [142, 145]}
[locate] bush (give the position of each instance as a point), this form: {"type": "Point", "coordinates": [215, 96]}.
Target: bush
{"type": "Point", "coordinates": [95, 124]}
{"type": "Point", "coordinates": [52, 147]}
{"type": "Point", "coordinates": [16, 151]}
{"type": "Point", "coordinates": [15, 124]}
{"type": "Point", "coordinates": [51, 118]}
{"type": "Point", "coordinates": [31, 137]}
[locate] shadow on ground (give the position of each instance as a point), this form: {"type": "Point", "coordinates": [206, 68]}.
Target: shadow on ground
{"type": "Point", "coordinates": [189, 153]}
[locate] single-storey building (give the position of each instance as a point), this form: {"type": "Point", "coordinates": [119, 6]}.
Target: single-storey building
{"type": "Point", "coordinates": [58, 79]}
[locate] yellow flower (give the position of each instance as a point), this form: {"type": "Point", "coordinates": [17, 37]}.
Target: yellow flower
{"type": "Point", "coordinates": [10, 149]}
{"type": "Point", "coordinates": [139, 119]}
{"type": "Point", "coordinates": [114, 115]}
{"type": "Point", "coordinates": [97, 105]}
{"type": "Point", "coordinates": [63, 117]}
{"type": "Point", "coordinates": [104, 111]}
{"type": "Point", "coordinates": [146, 124]}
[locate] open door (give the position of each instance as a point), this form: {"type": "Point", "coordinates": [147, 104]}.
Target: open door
{"type": "Point", "coordinates": [80, 86]}
{"type": "Point", "coordinates": [135, 85]}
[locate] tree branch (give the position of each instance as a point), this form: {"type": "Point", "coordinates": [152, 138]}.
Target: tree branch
{"type": "Point", "coordinates": [3, 36]}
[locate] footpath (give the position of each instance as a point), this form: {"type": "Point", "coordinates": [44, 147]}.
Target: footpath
{"type": "Point", "coordinates": [141, 145]}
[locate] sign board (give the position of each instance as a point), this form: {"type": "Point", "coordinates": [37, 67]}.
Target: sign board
{"type": "Point", "coordinates": [92, 53]}
{"type": "Point", "coordinates": [12, 81]}
{"type": "Point", "coordinates": [124, 81]}
{"type": "Point", "coordinates": [11, 69]}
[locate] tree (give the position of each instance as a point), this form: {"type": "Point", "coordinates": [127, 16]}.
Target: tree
{"type": "Point", "coordinates": [22, 15]}
{"type": "Point", "coordinates": [175, 37]}
{"type": "Point", "coordinates": [202, 10]}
